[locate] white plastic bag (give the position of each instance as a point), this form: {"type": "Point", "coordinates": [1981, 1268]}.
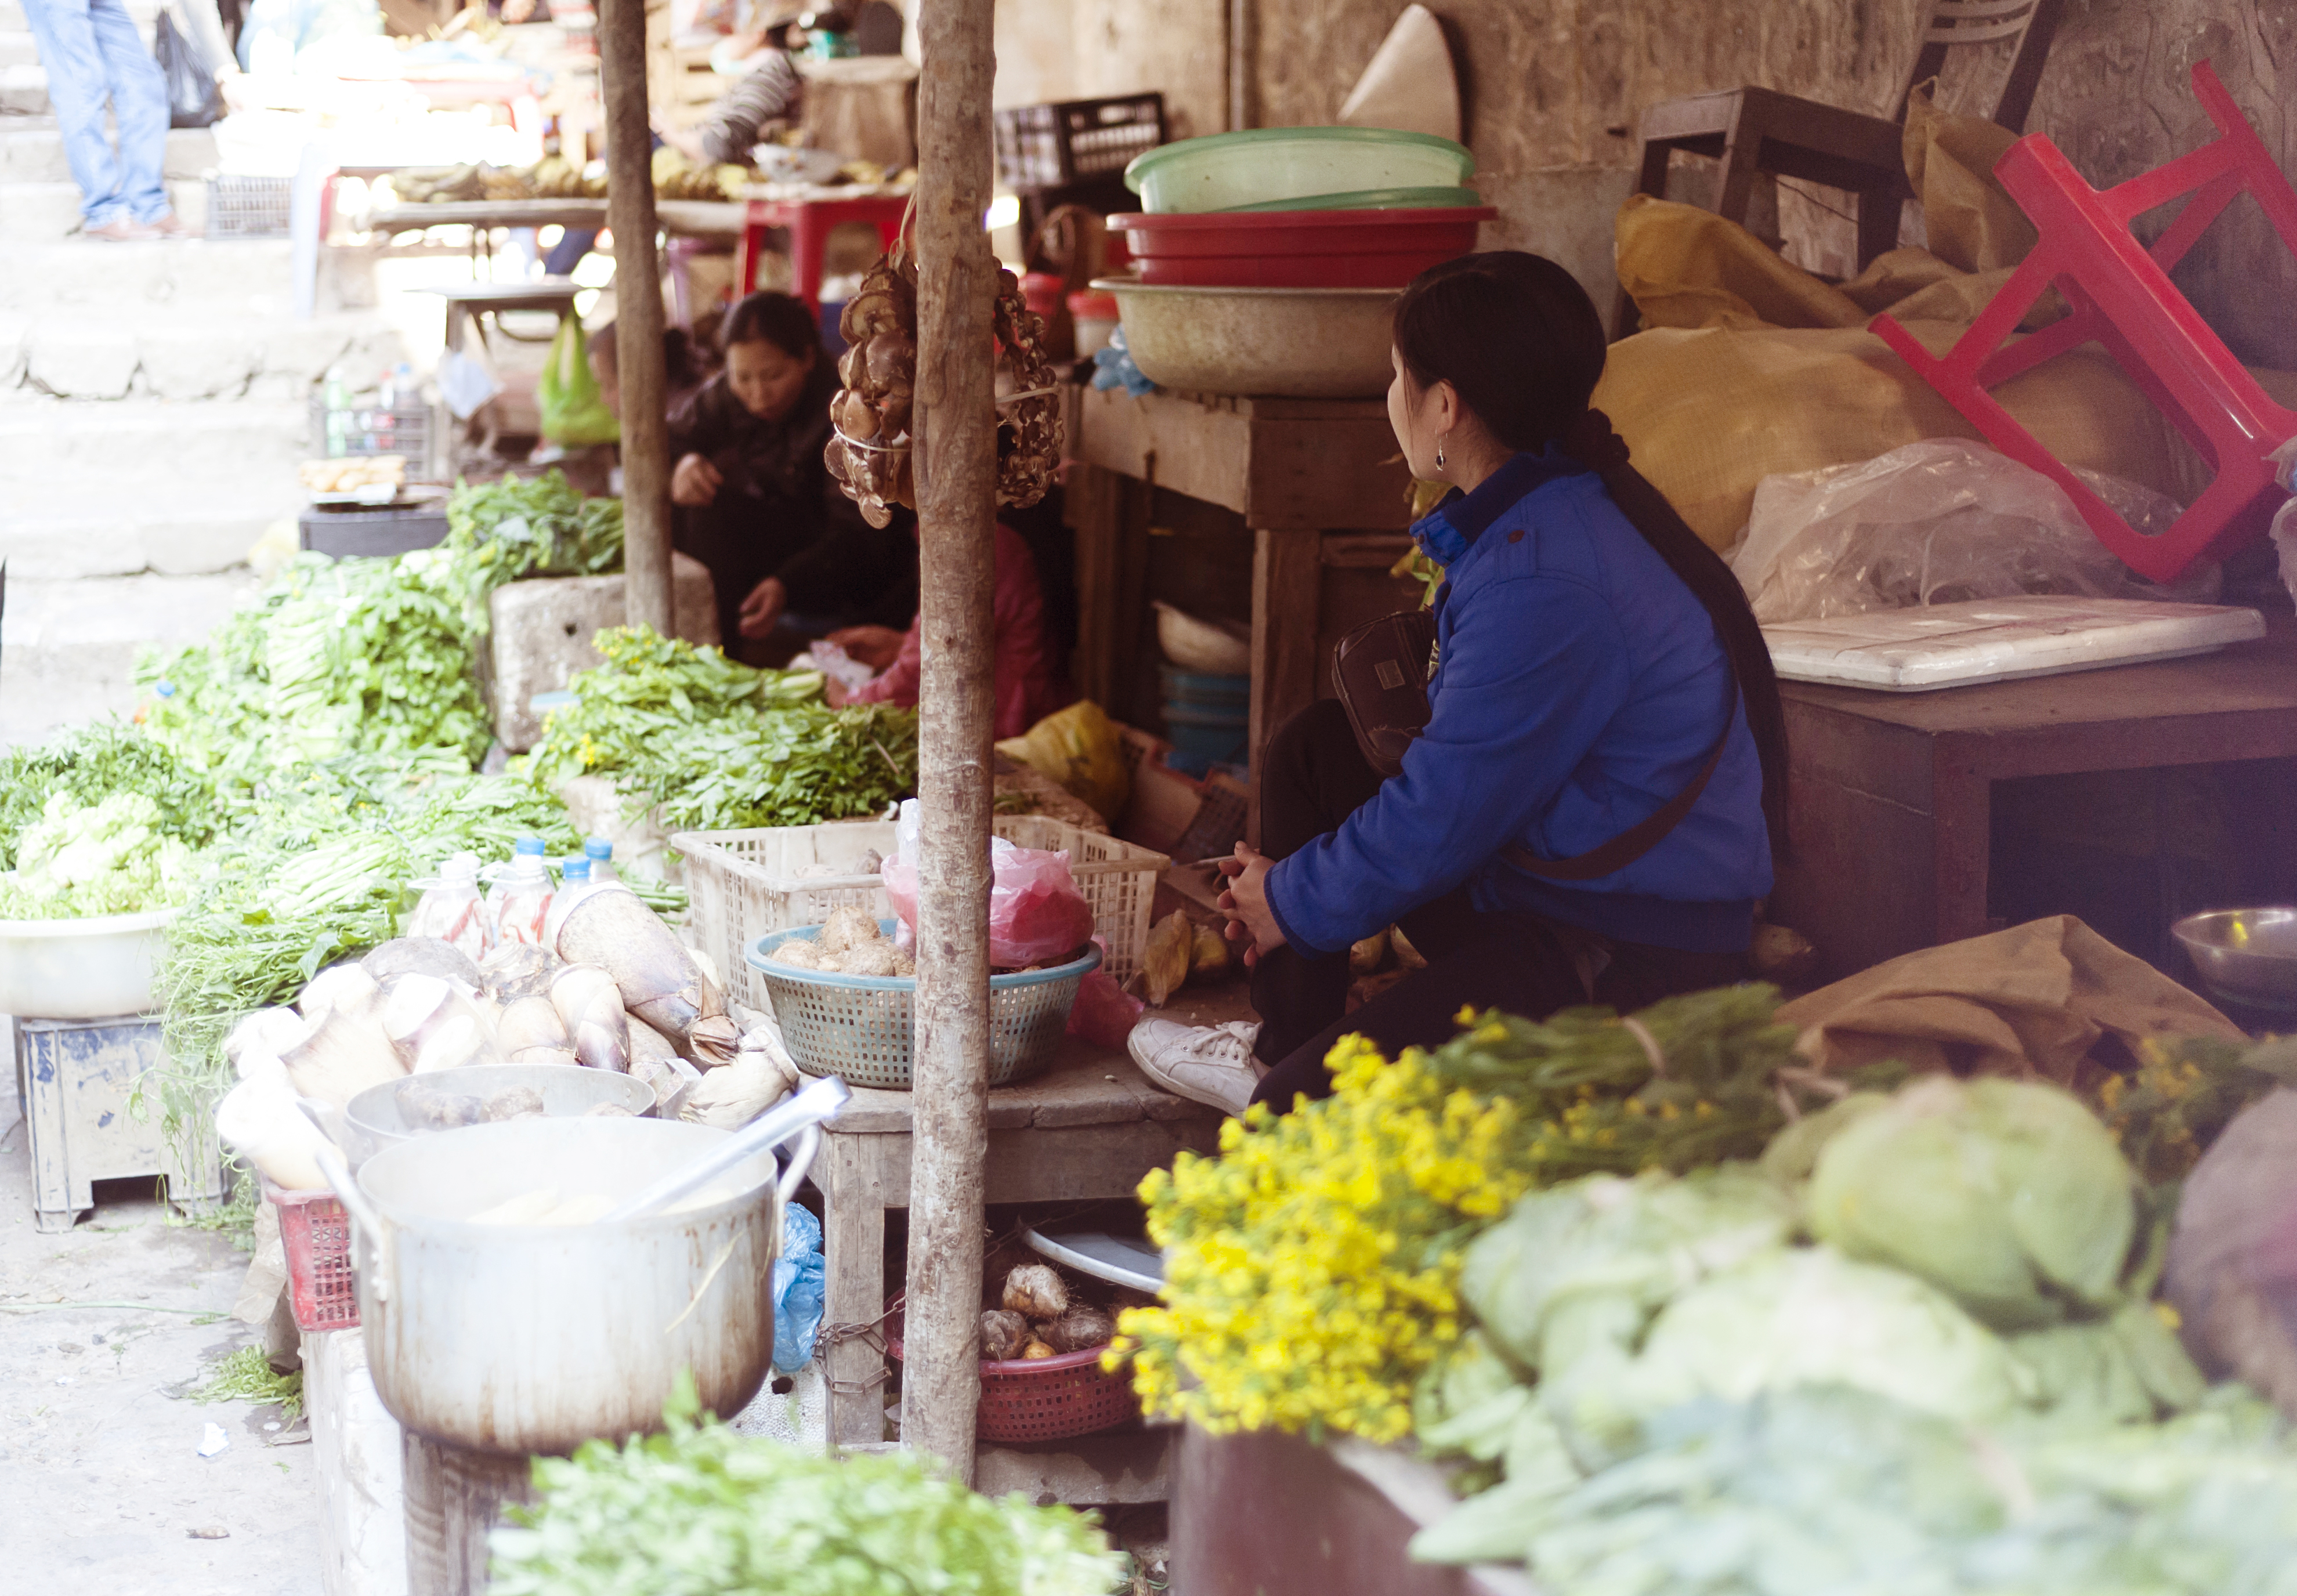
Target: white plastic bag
{"type": "Point", "coordinates": [1934, 523]}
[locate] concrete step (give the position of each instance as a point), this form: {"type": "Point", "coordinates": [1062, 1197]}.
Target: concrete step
{"type": "Point", "coordinates": [68, 647]}
{"type": "Point", "coordinates": [105, 455]}
{"type": "Point", "coordinates": [225, 276]}
{"type": "Point", "coordinates": [18, 50]}
{"type": "Point", "coordinates": [44, 212]}
{"type": "Point", "coordinates": [198, 540]}
{"type": "Point", "coordinates": [31, 149]}
{"type": "Point", "coordinates": [161, 355]}
{"type": "Point", "coordinates": [24, 89]}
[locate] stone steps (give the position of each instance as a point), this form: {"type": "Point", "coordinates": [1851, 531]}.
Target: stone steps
{"type": "Point", "coordinates": [31, 149]}
{"type": "Point", "coordinates": [69, 451]}
{"type": "Point", "coordinates": [36, 212]}
{"type": "Point", "coordinates": [153, 353]}
{"type": "Point", "coordinates": [18, 50]}
{"type": "Point", "coordinates": [251, 276]}
{"type": "Point", "coordinates": [68, 648]}
{"type": "Point", "coordinates": [24, 89]}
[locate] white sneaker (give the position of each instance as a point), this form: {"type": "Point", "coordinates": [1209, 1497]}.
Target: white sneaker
{"type": "Point", "coordinates": [1207, 1064]}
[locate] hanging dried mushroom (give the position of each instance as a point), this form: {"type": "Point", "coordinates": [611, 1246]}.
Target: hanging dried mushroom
{"type": "Point", "coordinates": [870, 444]}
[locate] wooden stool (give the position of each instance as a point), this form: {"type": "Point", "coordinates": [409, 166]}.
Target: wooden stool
{"type": "Point", "coordinates": [1756, 130]}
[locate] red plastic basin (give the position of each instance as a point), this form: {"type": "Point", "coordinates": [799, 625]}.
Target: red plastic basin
{"type": "Point", "coordinates": [1297, 248]}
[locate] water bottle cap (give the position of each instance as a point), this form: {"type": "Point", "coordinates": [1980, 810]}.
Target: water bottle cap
{"type": "Point", "coordinates": [598, 848]}
{"type": "Point", "coordinates": [533, 846]}
{"type": "Point", "coordinates": [577, 869]}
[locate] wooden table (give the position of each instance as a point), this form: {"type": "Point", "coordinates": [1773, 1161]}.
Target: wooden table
{"type": "Point", "coordinates": [1319, 487]}
{"type": "Point", "coordinates": [695, 219]}
{"type": "Point", "coordinates": [1891, 800]}
{"type": "Point", "coordinates": [1086, 1131]}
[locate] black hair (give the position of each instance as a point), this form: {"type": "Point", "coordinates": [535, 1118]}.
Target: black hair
{"type": "Point", "coordinates": [1522, 345]}
{"type": "Point", "coordinates": [781, 319]}
{"type": "Point", "coordinates": [685, 361]}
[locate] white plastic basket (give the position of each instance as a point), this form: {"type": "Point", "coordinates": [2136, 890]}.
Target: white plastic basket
{"type": "Point", "coordinates": [744, 885]}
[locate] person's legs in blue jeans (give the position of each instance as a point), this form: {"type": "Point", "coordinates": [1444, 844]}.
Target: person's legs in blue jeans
{"type": "Point", "coordinates": [93, 55]}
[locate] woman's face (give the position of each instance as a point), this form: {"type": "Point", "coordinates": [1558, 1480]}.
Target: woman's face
{"type": "Point", "coordinates": [766, 378]}
{"type": "Point", "coordinates": [1417, 416]}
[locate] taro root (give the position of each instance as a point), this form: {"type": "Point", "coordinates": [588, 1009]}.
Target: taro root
{"type": "Point", "coordinates": [516, 1102]}
{"type": "Point", "coordinates": [848, 927]}
{"type": "Point", "coordinates": [421, 1108]}
{"type": "Point", "coordinates": [1082, 1326]}
{"type": "Point", "coordinates": [1003, 1334]}
{"type": "Point", "coordinates": [1036, 1290]}
{"type": "Point", "coordinates": [1036, 1349]}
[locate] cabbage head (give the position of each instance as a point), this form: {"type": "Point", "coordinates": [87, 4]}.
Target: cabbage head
{"type": "Point", "coordinates": [2009, 1196]}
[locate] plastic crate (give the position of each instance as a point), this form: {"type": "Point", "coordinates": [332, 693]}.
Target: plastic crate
{"type": "Point", "coordinates": [861, 1028]}
{"type": "Point", "coordinates": [245, 206]}
{"type": "Point", "coordinates": [363, 430]}
{"type": "Point", "coordinates": [745, 884]}
{"type": "Point", "coordinates": [1045, 146]}
{"type": "Point", "coordinates": [317, 1233]}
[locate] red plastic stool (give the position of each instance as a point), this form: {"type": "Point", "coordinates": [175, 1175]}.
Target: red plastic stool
{"type": "Point", "coordinates": [2122, 298]}
{"type": "Point", "coordinates": [809, 222]}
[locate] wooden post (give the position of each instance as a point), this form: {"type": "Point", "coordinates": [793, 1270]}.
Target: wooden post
{"type": "Point", "coordinates": [955, 428]}
{"type": "Point", "coordinates": [638, 315]}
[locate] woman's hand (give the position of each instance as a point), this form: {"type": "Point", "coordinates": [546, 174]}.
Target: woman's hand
{"type": "Point", "coordinates": [833, 692]}
{"type": "Point", "coordinates": [694, 483]}
{"type": "Point", "coordinates": [761, 611]}
{"type": "Point", "coordinates": [875, 646]}
{"type": "Point", "coordinates": [1245, 902]}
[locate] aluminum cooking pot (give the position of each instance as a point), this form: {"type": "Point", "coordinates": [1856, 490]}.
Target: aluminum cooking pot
{"type": "Point", "coordinates": [373, 1120]}
{"type": "Point", "coordinates": [517, 1339]}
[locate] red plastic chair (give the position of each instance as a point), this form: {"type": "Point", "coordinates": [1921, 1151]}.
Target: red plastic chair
{"type": "Point", "coordinates": [2122, 298]}
{"type": "Point", "coordinates": [809, 222]}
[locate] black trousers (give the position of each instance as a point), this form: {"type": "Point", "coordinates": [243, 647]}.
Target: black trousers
{"type": "Point", "coordinates": [1312, 777]}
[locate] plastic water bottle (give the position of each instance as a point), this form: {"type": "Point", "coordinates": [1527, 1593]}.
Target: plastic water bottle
{"type": "Point", "coordinates": [573, 871]}
{"type": "Point", "coordinates": [520, 899]}
{"type": "Point", "coordinates": [600, 853]}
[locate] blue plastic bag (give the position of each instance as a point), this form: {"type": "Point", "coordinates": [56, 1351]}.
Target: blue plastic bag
{"type": "Point", "coordinates": [1113, 367]}
{"type": "Point", "coordinates": [799, 1281]}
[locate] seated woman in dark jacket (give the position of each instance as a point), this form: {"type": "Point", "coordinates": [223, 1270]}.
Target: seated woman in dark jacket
{"type": "Point", "coordinates": [752, 494]}
{"type": "Point", "coordinates": [1597, 666]}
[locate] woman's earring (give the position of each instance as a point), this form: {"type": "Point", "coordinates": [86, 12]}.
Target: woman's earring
{"type": "Point", "coordinates": [1439, 456]}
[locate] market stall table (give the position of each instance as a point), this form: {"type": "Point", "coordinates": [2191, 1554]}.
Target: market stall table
{"type": "Point", "coordinates": [1323, 496]}
{"type": "Point", "coordinates": [1891, 805]}
{"type": "Point", "coordinates": [680, 219]}
{"type": "Point", "coordinates": [1086, 1131]}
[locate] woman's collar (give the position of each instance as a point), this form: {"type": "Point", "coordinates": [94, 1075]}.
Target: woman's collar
{"type": "Point", "coordinates": [1451, 528]}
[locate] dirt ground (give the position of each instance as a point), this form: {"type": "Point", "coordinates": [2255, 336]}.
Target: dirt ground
{"type": "Point", "coordinates": [103, 1330]}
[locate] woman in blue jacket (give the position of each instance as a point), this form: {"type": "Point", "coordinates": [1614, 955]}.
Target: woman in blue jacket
{"type": "Point", "coordinates": [1595, 664]}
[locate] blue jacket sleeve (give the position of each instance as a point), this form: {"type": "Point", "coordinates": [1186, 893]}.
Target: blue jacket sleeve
{"type": "Point", "coordinates": [1531, 671]}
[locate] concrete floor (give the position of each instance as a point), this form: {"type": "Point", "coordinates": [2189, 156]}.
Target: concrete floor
{"type": "Point", "coordinates": [102, 1486]}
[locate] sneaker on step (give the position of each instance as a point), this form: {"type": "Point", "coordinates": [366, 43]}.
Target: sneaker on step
{"type": "Point", "coordinates": [1206, 1064]}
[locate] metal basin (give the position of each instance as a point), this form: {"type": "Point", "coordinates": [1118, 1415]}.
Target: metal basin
{"type": "Point", "coordinates": [1290, 342]}
{"type": "Point", "coordinates": [516, 1339]}
{"type": "Point", "coordinates": [373, 1121]}
{"type": "Point", "coordinates": [2244, 955]}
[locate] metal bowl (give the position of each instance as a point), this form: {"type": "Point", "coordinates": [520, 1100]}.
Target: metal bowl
{"type": "Point", "coordinates": [1284, 342]}
{"type": "Point", "coordinates": [2244, 955]}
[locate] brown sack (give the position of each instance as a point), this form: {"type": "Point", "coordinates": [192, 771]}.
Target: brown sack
{"type": "Point", "coordinates": [2031, 1000]}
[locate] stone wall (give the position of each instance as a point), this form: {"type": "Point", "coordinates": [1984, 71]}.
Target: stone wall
{"type": "Point", "coordinates": [1552, 89]}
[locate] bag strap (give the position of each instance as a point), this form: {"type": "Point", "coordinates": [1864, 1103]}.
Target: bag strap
{"type": "Point", "coordinates": [1636, 840]}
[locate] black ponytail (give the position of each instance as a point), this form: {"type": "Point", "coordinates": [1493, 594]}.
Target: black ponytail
{"type": "Point", "coordinates": [1522, 345]}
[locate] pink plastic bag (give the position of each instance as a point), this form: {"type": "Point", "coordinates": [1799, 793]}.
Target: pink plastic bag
{"type": "Point", "coordinates": [1036, 915]}
{"type": "Point", "coordinates": [1104, 1016]}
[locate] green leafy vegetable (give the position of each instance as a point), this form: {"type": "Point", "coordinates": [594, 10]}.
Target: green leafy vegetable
{"type": "Point", "coordinates": [506, 530]}
{"type": "Point", "coordinates": [699, 1510]}
{"type": "Point", "coordinates": [107, 858]}
{"type": "Point", "coordinates": [92, 762]}
{"type": "Point", "coordinates": [247, 1376]}
{"type": "Point", "coordinates": [709, 744]}
{"type": "Point", "coordinates": [2008, 1194]}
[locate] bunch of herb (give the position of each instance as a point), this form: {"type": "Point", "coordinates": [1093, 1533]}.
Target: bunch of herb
{"type": "Point", "coordinates": [2184, 1090]}
{"type": "Point", "coordinates": [247, 1376]}
{"type": "Point", "coordinates": [92, 762]}
{"type": "Point", "coordinates": [506, 530]}
{"type": "Point", "coordinates": [706, 743]}
{"type": "Point", "coordinates": [337, 657]}
{"type": "Point", "coordinates": [108, 856]}
{"type": "Point", "coordinates": [698, 1510]}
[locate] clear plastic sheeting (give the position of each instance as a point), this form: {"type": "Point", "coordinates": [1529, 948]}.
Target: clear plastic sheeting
{"type": "Point", "coordinates": [1938, 521]}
